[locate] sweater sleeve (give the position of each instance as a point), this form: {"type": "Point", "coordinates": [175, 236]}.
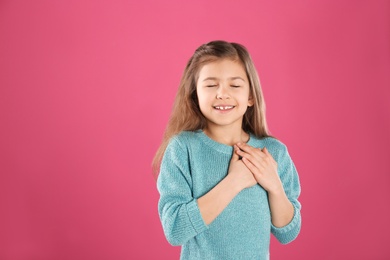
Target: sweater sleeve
{"type": "Point", "coordinates": [178, 209]}
{"type": "Point", "coordinates": [289, 177]}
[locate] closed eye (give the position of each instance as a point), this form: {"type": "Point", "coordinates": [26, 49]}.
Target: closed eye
{"type": "Point", "coordinates": [235, 86]}
{"type": "Point", "coordinates": [210, 86]}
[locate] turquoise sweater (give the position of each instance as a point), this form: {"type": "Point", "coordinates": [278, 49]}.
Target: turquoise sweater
{"type": "Point", "coordinates": [192, 165]}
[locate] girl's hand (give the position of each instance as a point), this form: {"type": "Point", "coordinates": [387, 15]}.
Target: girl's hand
{"type": "Point", "coordinates": [262, 165]}
{"type": "Point", "coordinates": [240, 173]}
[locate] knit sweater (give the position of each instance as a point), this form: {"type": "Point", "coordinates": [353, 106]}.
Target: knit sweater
{"type": "Point", "coordinates": [192, 165]}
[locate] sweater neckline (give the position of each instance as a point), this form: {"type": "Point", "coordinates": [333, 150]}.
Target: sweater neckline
{"type": "Point", "coordinates": [220, 147]}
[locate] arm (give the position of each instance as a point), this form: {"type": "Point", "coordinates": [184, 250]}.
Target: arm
{"type": "Point", "coordinates": [282, 185]}
{"type": "Point", "coordinates": [182, 216]}
{"type": "Point", "coordinates": [178, 210]}
{"type": "Point", "coordinates": [282, 210]}
{"type": "Point", "coordinates": [215, 201]}
{"type": "Point", "coordinates": [291, 185]}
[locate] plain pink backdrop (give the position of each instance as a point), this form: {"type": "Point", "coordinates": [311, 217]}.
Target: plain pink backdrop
{"type": "Point", "coordinates": [86, 89]}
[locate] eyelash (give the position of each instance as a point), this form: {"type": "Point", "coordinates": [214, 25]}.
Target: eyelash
{"type": "Point", "coordinates": [233, 86]}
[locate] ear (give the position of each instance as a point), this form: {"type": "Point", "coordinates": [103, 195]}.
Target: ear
{"type": "Point", "coordinates": [250, 101]}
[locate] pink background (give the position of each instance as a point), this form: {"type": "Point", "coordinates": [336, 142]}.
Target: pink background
{"type": "Point", "coordinates": [86, 89]}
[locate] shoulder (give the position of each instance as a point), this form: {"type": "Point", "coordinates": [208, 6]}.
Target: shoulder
{"type": "Point", "coordinates": [275, 144]}
{"type": "Point", "coordinates": [181, 148]}
{"type": "Point", "coordinates": [183, 140]}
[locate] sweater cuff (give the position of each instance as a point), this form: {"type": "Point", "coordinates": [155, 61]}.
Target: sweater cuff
{"type": "Point", "coordinates": [288, 232]}
{"type": "Point", "coordinates": [195, 217]}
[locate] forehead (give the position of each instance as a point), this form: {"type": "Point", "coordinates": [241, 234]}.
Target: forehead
{"type": "Point", "coordinates": [223, 68]}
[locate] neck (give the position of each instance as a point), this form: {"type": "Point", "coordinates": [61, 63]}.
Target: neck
{"type": "Point", "coordinates": [228, 136]}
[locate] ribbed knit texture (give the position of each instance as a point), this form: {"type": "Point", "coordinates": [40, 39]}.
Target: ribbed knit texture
{"type": "Point", "coordinates": [192, 165]}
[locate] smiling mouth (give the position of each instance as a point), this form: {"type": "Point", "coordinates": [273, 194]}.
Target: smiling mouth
{"type": "Point", "coordinates": [223, 107]}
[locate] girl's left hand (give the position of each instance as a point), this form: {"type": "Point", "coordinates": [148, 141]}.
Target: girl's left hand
{"type": "Point", "coordinates": [262, 165]}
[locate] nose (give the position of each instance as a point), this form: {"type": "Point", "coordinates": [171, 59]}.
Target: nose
{"type": "Point", "coordinates": [222, 92]}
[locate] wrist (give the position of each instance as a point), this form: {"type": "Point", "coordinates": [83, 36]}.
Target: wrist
{"type": "Point", "coordinates": [234, 183]}
{"type": "Point", "coordinates": [276, 191]}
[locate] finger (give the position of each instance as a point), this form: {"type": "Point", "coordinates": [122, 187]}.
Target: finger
{"type": "Point", "coordinates": [243, 153]}
{"type": "Point", "coordinates": [255, 155]}
{"type": "Point", "coordinates": [250, 150]}
{"type": "Point", "coordinates": [257, 161]}
{"type": "Point", "coordinates": [236, 156]}
{"type": "Point", "coordinates": [265, 150]}
{"type": "Point", "coordinates": [254, 170]}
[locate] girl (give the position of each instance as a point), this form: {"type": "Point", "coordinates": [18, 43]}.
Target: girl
{"type": "Point", "coordinates": [225, 184]}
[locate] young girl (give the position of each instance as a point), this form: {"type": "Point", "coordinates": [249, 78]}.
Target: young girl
{"type": "Point", "coordinates": [225, 184]}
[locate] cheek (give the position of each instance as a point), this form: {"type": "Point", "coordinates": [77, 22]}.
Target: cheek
{"type": "Point", "coordinates": [203, 105]}
{"type": "Point", "coordinates": [249, 98]}
{"type": "Point", "coordinates": [203, 96]}
{"type": "Point", "coordinates": [200, 96]}
{"type": "Point", "coordinates": [201, 100]}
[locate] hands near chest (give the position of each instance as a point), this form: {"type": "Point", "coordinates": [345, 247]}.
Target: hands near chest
{"type": "Point", "coordinates": [261, 164]}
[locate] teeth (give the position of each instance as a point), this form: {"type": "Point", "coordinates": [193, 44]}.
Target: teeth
{"type": "Point", "coordinates": [223, 107]}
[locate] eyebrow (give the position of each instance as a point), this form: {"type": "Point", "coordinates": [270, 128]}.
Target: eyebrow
{"type": "Point", "coordinates": [231, 78]}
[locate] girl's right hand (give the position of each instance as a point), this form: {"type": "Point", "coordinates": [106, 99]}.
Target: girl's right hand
{"type": "Point", "coordinates": [241, 175]}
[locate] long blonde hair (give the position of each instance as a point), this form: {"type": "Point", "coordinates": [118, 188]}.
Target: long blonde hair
{"type": "Point", "coordinates": [186, 115]}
